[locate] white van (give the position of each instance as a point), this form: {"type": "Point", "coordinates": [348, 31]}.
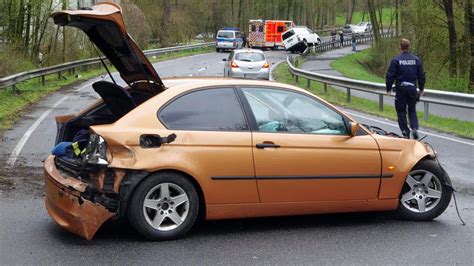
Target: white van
{"type": "Point", "coordinates": [228, 39]}
{"type": "Point", "coordinates": [297, 39]}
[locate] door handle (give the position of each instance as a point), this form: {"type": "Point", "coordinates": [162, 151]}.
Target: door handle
{"type": "Point", "coordinates": [267, 145]}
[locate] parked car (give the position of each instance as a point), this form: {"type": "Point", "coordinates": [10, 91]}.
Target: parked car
{"type": "Point", "coordinates": [361, 28]}
{"type": "Point", "coordinates": [298, 39]}
{"type": "Point", "coordinates": [247, 63]}
{"type": "Point", "coordinates": [165, 154]}
{"type": "Point", "coordinates": [228, 39]}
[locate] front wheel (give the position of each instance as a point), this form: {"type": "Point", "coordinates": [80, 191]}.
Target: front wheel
{"type": "Point", "coordinates": [164, 206]}
{"type": "Point", "coordinates": [425, 194]}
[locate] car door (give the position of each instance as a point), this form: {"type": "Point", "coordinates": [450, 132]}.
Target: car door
{"type": "Point", "coordinates": [303, 152]}
{"type": "Point", "coordinates": [213, 143]}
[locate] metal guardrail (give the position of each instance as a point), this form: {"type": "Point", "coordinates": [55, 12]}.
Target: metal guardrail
{"type": "Point", "coordinates": [72, 66]}
{"type": "Point", "coordinates": [462, 100]}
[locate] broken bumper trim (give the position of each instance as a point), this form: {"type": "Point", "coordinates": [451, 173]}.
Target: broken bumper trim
{"type": "Point", "coordinates": [67, 207]}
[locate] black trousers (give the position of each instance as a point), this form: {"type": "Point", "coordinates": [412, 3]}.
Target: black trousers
{"type": "Point", "coordinates": [405, 100]}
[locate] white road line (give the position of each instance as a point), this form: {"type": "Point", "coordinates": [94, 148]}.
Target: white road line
{"type": "Point", "coordinates": [202, 69]}
{"type": "Point", "coordinates": [19, 146]}
{"type": "Point", "coordinates": [424, 132]}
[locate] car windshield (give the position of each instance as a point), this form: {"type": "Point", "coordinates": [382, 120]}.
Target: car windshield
{"type": "Point", "coordinates": [225, 34]}
{"type": "Point", "coordinates": [361, 24]}
{"type": "Point", "coordinates": [249, 57]}
{"type": "Point", "coordinates": [288, 34]}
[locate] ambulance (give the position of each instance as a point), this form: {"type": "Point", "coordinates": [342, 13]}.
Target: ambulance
{"type": "Point", "coordinates": [267, 33]}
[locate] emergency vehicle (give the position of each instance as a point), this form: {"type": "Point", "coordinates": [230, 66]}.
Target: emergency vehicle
{"type": "Point", "coordinates": [228, 39]}
{"type": "Point", "coordinates": [267, 33]}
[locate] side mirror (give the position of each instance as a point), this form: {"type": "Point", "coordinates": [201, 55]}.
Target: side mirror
{"type": "Point", "coordinates": [224, 59]}
{"type": "Point", "coordinates": [354, 128]}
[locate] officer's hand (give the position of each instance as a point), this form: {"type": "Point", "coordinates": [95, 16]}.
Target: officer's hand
{"type": "Point", "coordinates": [422, 93]}
{"type": "Point", "coordinates": [389, 92]}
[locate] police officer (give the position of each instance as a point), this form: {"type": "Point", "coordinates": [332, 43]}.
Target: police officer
{"type": "Point", "coordinates": [405, 69]}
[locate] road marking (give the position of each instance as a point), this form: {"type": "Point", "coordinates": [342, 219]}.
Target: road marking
{"type": "Point", "coordinates": [19, 146]}
{"type": "Point", "coordinates": [420, 131]}
{"type": "Point", "coordinates": [202, 69]}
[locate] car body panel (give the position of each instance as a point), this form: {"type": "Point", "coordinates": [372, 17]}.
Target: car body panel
{"type": "Point", "coordinates": [105, 27]}
{"type": "Point", "coordinates": [323, 167]}
{"type": "Point", "coordinates": [66, 206]}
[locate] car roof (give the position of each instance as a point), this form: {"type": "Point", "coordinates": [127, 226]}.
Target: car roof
{"type": "Point", "coordinates": [248, 50]}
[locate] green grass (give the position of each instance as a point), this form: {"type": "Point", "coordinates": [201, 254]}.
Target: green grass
{"type": "Point", "coordinates": [449, 125]}
{"type": "Point", "coordinates": [358, 15]}
{"type": "Point", "coordinates": [13, 104]}
{"type": "Point", "coordinates": [352, 66]}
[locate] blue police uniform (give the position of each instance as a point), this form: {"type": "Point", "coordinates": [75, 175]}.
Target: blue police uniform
{"type": "Point", "coordinates": [405, 70]}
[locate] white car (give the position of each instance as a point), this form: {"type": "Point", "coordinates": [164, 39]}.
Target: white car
{"type": "Point", "coordinates": [297, 39]}
{"type": "Point", "coordinates": [247, 63]}
{"type": "Point", "coordinates": [361, 28]}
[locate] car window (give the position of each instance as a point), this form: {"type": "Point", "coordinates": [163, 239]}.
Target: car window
{"type": "Point", "coordinates": [254, 28]}
{"type": "Point", "coordinates": [209, 109]}
{"type": "Point", "coordinates": [280, 29]}
{"type": "Point", "coordinates": [225, 34]}
{"type": "Point", "coordinates": [288, 34]}
{"type": "Point", "coordinates": [237, 35]}
{"type": "Point", "coordinates": [249, 57]}
{"type": "Point", "coordinates": [277, 110]}
{"type": "Point", "coordinates": [309, 31]}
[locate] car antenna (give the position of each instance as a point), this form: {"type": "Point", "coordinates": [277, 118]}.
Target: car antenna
{"type": "Point", "coordinates": [103, 63]}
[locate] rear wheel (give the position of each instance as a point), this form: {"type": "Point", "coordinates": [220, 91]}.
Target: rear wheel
{"type": "Point", "coordinates": [164, 206]}
{"type": "Point", "coordinates": [425, 194]}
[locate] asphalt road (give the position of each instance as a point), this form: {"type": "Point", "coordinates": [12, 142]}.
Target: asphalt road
{"type": "Point", "coordinates": [28, 236]}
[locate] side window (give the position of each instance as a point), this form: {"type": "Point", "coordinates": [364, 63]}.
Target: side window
{"type": "Point", "coordinates": [237, 35]}
{"type": "Point", "coordinates": [277, 110]}
{"type": "Point", "coordinates": [260, 28]}
{"type": "Point", "coordinates": [280, 29]}
{"type": "Point", "coordinates": [254, 27]}
{"type": "Point", "coordinates": [208, 109]}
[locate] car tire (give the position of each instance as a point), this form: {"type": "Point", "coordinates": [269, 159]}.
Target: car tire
{"type": "Point", "coordinates": [164, 206]}
{"type": "Point", "coordinates": [427, 186]}
{"type": "Point", "coordinates": [218, 50]}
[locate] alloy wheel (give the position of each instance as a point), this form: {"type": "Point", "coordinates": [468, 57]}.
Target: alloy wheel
{"type": "Point", "coordinates": [423, 191]}
{"type": "Point", "coordinates": [166, 206]}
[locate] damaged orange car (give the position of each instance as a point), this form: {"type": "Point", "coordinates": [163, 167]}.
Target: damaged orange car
{"type": "Point", "coordinates": [165, 154]}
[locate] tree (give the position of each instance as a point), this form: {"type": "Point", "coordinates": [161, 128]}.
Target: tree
{"type": "Point", "coordinates": [373, 20]}
{"type": "Point", "coordinates": [448, 9]}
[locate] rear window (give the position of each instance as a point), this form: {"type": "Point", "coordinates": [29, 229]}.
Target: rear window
{"type": "Point", "coordinates": [208, 110]}
{"type": "Point", "coordinates": [288, 34]}
{"type": "Point", "coordinates": [225, 34]}
{"type": "Point", "coordinates": [249, 57]}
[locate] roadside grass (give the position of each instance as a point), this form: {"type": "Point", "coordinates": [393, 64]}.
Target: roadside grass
{"type": "Point", "coordinates": [357, 65]}
{"type": "Point", "coordinates": [358, 16]}
{"type": "Point", "coordinates": [14, 103]}
{"type": "Point", "coordinates": [336, 97]}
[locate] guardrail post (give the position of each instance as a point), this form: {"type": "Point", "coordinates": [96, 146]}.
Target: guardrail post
{"type": "Point", "coordinates": [42, 80]}
{"type": "Point", "coordinates": [59, 74]}
{"type": "Point", "coordinates": [381, 102]}
{"type": "Point", "coordinates": [15, 89]}
{"type": "Point", "coordinates": [348, 95]}
{"type": "Point", "coordinates": [296, 78]}
{"type": "Point", "coordinates": [325, 88]}
{"type": "Point", "coordinates": [308, 84]}
{"type": "Point", "coordinates": [425, 110]}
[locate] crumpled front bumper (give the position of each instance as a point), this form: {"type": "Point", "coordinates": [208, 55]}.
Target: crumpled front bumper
{"type": "Point", "coordinates": [67, 207]}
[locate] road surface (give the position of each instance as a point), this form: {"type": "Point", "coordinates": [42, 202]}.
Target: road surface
{"type": "Point", "coordinates": [28, 235]}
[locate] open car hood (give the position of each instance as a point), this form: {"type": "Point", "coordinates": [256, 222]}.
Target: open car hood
{"type": "Point", "coordinates": [104, 25]}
